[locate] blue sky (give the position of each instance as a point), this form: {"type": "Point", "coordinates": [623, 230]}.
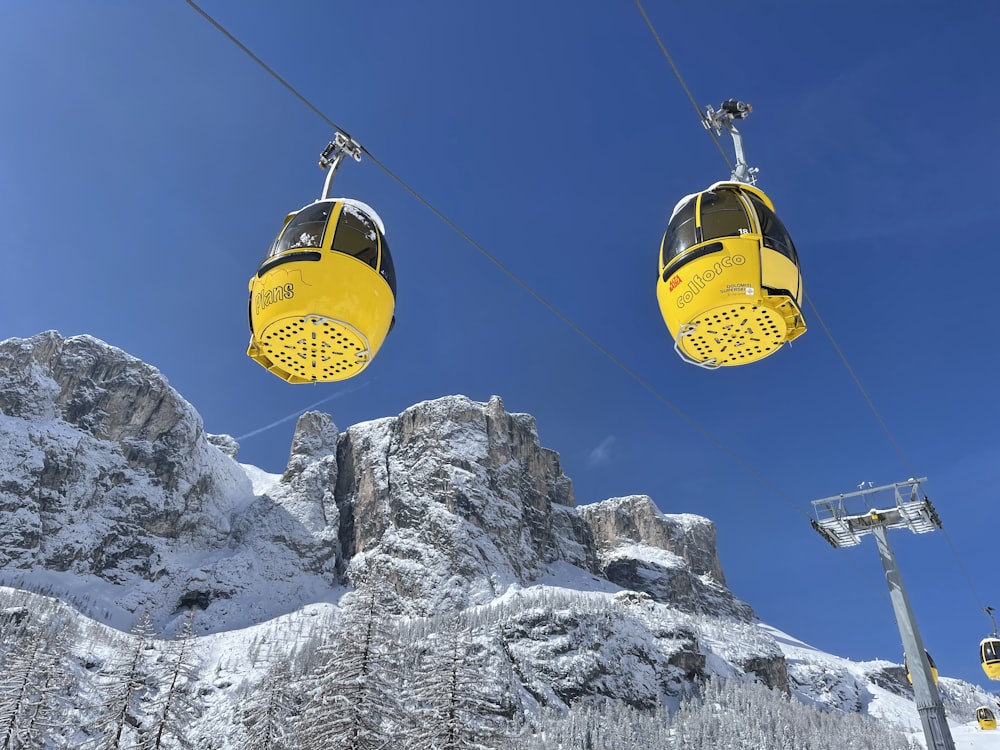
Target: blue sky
{"type": "Point", "coordinates": [146, 164]}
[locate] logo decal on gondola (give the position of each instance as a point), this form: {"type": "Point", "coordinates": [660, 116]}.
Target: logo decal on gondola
{"type": "Point", "coordinates": [700, 280]}
{"type": "Point", "coordinates": [275, 294]}
{"type": "Point", "coordinates": [673, 283]}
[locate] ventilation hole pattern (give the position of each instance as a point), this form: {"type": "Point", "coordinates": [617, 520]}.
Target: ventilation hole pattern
{"type": "Point", "coordinates": [735, 335]}
{"type": "Point", "coordinates": [315, 348]}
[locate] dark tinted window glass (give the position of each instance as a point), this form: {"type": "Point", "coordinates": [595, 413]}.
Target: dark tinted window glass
{"type": "Point", "coordinates": [723, 215]}
{"type": "Point", "coordinates": [357, 235]}
{"type": "Point", "coordinates": [776, 236]}
{"type": "Point", "coordinates": [680, 232]}
{"type": "Point", "coordinates": [387, 270]}
{"type": "Point", "coordinates": [306, 229]}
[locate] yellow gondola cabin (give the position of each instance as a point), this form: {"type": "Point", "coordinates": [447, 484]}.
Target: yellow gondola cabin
{"type": "Point", "coordinates": [986, 718]}
{"type": "Point", "coordinates": [989, 657]}
{"type": "Point", "coordinates": [729, 288]}
{"type": "Point", "coordinates": [323, 300]}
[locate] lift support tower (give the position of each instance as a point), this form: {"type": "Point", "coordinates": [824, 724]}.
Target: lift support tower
{"type": "Point", "coordinates": [841, 529]}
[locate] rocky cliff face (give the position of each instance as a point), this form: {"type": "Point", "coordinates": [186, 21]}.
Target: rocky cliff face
{"type": "Point", "coordinates": [672, 558]}
{"type": "Point", "coordinates": [459, 500]}
{"type": "Point", "coordinates": [106, 474]}
{"type": "Point", "coordinates": [103, 464]}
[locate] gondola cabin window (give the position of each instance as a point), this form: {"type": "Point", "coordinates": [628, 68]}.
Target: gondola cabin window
{"type": "Point", "coordinates": [306, 229]}
{"type": "Point", "coordinates": [357, 236]}
{"type": "Point", "coordinates": [723, 215]}
{"type": "Point", "coordinates": [386, 268]}
{"type": "Point", "coordinates": [680, 232]}
{"type": "Point", "coordinates": [776, 236]}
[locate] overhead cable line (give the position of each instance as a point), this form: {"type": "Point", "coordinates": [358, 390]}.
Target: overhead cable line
{"type": "Point", "coordinates": [829, 334]}
{"type": "Point", "coordinates": [861, 388]}
{"type": "Point", "coordinates": [465, 236]}
{"type": "Point", "coordinates": [965, 572]}
{"type": "Point", "coordinates": [266, 67]}
{"type": "Point", "coordinates": [680, 79]}
{"type": "Point", "coordinates": [496, 261]}
{"type": "Point", "coordinates": [493, 259]}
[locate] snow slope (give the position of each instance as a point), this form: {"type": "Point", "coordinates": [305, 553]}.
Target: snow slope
{"type": "Point", "coordinates": [849, 683]}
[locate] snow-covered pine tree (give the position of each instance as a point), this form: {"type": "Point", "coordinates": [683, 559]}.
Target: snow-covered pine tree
{"type": "Point", "coordinates": [454, 702]}
{"type": "Point", "coordinates": [351, 701]}
{"type": "Point", "coordinates": [175, 705]}
{"type": "Point", "coordinates": [736, 714]}
{"type": "Point", "coordinates": [267, 709]}
{"type": "Point", "coordinates": [744, 714]}
{"type": "Point", "coordinates": [608, 725]}
{"type": "Point", "coordinates": [33, 679]}
{"type": "Point", "coordinates": [120, 684]}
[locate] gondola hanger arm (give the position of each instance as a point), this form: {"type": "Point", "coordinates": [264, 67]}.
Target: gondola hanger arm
{"type": "Point", "coordinates": [722, 119]}
{"type": "Point", "coordinates": [989, 612]}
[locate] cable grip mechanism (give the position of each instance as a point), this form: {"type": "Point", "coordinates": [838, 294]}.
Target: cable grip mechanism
{"type": "Point", "coordinates": [722, 119]}
{"type": "Point", "coordinates": [342, 145]}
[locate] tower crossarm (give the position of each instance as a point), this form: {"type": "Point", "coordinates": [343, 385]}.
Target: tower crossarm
{"type": "Point", "coordinates": [842, 528]}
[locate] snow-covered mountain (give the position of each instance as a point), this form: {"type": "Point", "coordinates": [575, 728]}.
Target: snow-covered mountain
{"type": "Point", "coordinates": [209, 599]}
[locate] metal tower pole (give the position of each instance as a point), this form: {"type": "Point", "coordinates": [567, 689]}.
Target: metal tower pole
{"type": "Point", "coordinates": [843, 529]}
{"type": "Point", "coordinates": [925, 692]}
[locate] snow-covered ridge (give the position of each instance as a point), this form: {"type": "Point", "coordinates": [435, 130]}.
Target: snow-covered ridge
{"type": "Point", "coordinates": [114, 494]}
{"type": "Point", "coordinates": [449, 517]}
{"type": "Point", "coordinates": [567, 642]}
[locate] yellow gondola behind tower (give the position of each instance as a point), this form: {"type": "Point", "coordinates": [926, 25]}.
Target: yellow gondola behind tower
{"type": "Point", "coordinates": [930, 661]}
{"type": "Point", "coordinates": [729, 286]}
{"type": "Point", "coordinates": [986, 718]}
{"type": "Point", "coordinates": [323, 300]}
